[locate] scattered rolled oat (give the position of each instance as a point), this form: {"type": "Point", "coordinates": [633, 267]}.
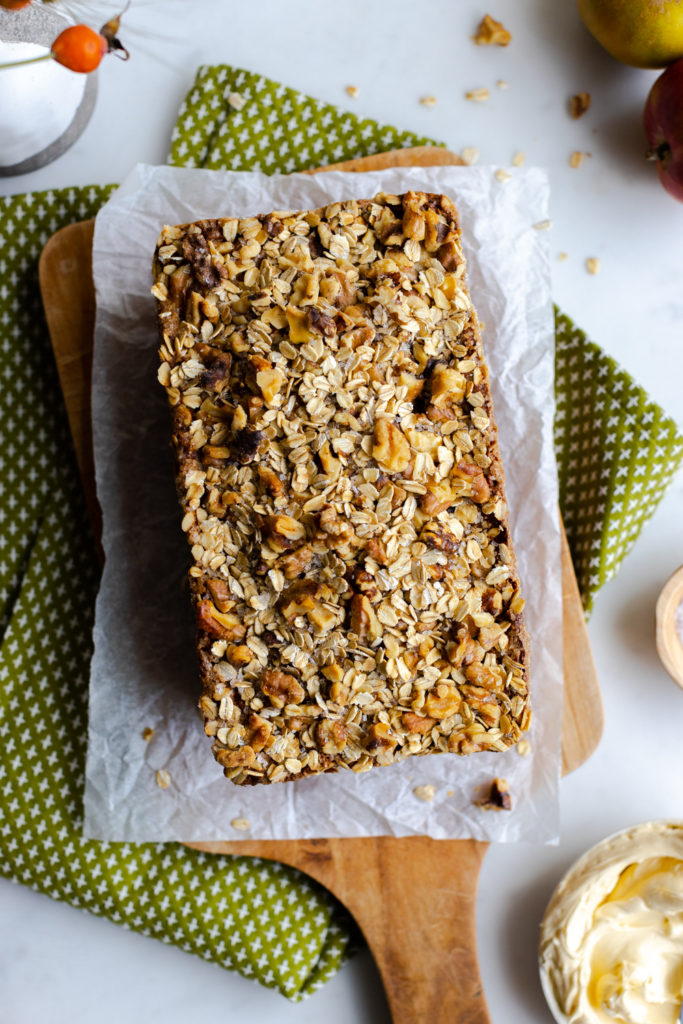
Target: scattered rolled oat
{"type": "Point", "coordinates": [592, 265]}
{"type": "Point", "coordinates": [491, 33]}
{"type": "Point", "coordinates": [502, 176]}
{"type": "Point", "coordinates": [543, 225]}
{"type": "Point", "coordinates": [524, 748]}
{"type": "Point", "coordinates": [502, 84]}
{"type": "Point", "coordinates": [147, 734]}
{"type": "Point", "coordinates": [428, 101]}
{"type": "Point", "coordinates": [470, 155]}
{"type": "Point", "coordinates": [518, 159]}
{"type": "Point", "coordinates": [236, 100]}
{"type": "Point", "coordinates": [241, 824]}
{"type": "Point", "coordinates": [579, 104]}
{"type": "Point", "coordinates": [576, 159]}
{"type": "Point", "coordinates": [352, 91]}
{"type": "Point", "coordinates": [478, 95]}
{"type": "Point", "coordinates": [425, 793]}
{"type": "Point", "coordinates": [562, 256]}
{"type": "Point", "coordinates": [498, 798]}
{"type": "Point", "coordinates": [163, 778]}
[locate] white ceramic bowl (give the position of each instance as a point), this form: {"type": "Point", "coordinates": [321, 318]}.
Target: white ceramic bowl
{"type": "Point", "coordinates": [570, 913]}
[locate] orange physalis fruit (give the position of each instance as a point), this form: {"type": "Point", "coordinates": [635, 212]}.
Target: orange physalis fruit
{"type": "Point", "coordinates": [79, 48]}
{"type": "Point", "coordinates": [14, 5]}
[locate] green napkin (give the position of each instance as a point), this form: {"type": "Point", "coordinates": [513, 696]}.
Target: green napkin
{"type": "Point", "coordinates": [265, 920]}
{"type": "Point", "coordinates": [616, 453]}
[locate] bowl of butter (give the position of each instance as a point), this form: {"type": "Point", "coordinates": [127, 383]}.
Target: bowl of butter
{"type": "Point", "coordinates": [611, 947]}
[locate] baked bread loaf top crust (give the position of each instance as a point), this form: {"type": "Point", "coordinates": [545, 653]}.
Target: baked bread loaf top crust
{"type": "Point", "coordinates": [338, 468]}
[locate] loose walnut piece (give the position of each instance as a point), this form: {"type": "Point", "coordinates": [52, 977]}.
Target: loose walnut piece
{"type": "Point", "coordinates": [356, 595]}
{"type": "Point", "coordinates": [498, 798]}
{"type": "Point", "coordinates": [579, 104]}
{"type": "Point", "coordinates": [491, 33]}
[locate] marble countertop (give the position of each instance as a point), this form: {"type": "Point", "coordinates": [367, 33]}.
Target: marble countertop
{"type": "Point", "coordinates": [60, 964]}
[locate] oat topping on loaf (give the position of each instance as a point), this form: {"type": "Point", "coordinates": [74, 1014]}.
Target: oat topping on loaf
{"type": "Point", "coordinates": [355, 587]}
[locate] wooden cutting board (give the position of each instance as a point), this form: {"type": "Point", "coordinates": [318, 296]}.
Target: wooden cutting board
{"type": "Point", "coordinates": [414, 898]}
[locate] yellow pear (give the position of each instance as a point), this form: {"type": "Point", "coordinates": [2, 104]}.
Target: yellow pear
{"type": "Point", "coordinates": [645, 33]}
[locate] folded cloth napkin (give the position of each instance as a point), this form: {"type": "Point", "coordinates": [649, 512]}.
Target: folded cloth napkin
{"type": "Point", "coordinates": [616, 452]}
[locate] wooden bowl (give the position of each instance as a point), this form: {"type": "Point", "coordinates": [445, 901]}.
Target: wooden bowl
{"type": "Point", "coordinates": [669, 646]}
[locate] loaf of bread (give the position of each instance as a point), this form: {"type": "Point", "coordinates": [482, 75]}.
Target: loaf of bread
{"type": "Point", "coordinates": [338, 468]}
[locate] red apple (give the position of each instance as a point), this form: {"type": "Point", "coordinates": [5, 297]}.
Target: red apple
{"type": "Point", "coordinates": [663, 119]}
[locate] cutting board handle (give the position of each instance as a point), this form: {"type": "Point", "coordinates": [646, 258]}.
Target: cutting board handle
{"type": "Point", "coordinates": [414, 900]}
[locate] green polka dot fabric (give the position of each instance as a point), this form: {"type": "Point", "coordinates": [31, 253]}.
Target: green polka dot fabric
{"type": "Point", "coordinates": [616, 453]}
{"type": "Point", "coordinates": [242, 121]}
{"type": "Point", "coordinates": [265, 920]}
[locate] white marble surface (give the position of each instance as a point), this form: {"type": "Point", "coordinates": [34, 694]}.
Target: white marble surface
{"type": "Point", "coordinates": [61, 965]}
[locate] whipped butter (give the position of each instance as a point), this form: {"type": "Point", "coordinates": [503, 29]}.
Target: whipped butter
{"type": "Point", "coordinates": [611, 947]}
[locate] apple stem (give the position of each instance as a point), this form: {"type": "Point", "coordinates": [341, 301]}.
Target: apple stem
{"type": "Point", "coordinates": [660, 152]}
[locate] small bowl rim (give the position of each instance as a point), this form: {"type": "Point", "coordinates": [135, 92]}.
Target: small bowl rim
{"type": "Point", "coordinates": [667, 640]}
{"type": "Point", "coordinates": [558, 1014]}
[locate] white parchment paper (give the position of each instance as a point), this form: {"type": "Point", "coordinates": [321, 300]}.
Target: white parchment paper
{"type": "Point", "coordinates": [143, 671]}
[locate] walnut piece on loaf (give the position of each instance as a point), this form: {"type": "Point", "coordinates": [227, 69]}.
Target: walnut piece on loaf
{"type": "Point", "coordinates": [355, 586]}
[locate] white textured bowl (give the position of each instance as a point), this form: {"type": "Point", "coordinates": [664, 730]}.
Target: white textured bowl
{"type": "Point", "coordinates": [44, 107]}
